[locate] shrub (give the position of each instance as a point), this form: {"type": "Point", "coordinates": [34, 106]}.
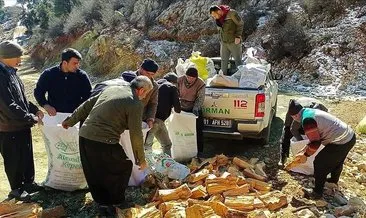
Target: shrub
{"type": "Point", "coordinates": [56, 27]}
{"type": "Point", "coordinates": [250, 19]}
{"type": "Point", "coordinates": [329, 9]}
{"type": "Point", "coordinates": [85, 16]}
{"type": "Point", "coordinates": [289, 40]}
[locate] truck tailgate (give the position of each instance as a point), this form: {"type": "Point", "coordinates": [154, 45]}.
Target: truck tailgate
{"type": "Point", "coordinates": [229, 103]}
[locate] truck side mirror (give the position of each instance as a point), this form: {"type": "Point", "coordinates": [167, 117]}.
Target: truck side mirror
{"type": "Point", "coordinates": [278, 76]}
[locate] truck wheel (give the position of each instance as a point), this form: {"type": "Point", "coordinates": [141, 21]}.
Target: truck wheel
{"type": "Point", "coordinates": [264, 140]}
{"type": "Point", "coordinates": [275, 109]}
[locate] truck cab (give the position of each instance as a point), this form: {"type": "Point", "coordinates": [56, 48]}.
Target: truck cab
{"type": "Point", "coordinates": [240, 112]}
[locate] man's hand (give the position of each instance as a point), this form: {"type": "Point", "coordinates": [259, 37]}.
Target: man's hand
{"type": "Point", "coordinates": [142, 166]}
{"type": "Point", "coordinates": [64, 125]}
{"type": "Point", "coordinates": [40, 116]}
{"type": "Point", "coordinates": [150, 122]}
{"type": "Point", "coordinates": [50, 110]}
{"type": "Point", "coordinates": [237, 41]}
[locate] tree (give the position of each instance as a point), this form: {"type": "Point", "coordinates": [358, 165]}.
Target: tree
{"type": "Point", "coordinates": [2, 4]}
{"type": "Point", "coordinates": [44, 12]}
{"type": "Point", "coordinates": [63, 7]}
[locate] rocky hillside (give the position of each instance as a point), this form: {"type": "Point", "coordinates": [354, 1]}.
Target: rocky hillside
{"type": "Point", "coordinates": [320, 50]}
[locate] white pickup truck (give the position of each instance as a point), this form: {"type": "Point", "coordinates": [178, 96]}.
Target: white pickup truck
{"type": "Point", "coordinates": [240, 112]}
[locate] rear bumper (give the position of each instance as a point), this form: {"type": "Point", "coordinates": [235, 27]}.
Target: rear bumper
{"type": "Point", "coordinates": [240, 129]}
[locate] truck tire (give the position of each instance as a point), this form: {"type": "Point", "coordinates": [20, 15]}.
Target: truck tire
{"type": "Point", "coordinates": [274, 110]}
{"type": "Point", "coordinates": [264, 140]}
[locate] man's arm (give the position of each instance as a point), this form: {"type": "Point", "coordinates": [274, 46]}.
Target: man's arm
{"type": "Point", "coordinates": [135, 126]}
{"type": "Point", "coordinates": [200, 99]}
{"type": "Point", "coordinates": [239, 24]}
{"type": "Point", "coordinates": [82, 112]}
{"type": "Point", "coordinates": [10, 108]}
{"type": "Point", "coordinates": [152, 105]}
{"type": "Point", "coordinates": [86, 87]}
{"type": "Point", "coordinates": [33, 108]}
{"type": "Point", "coordinates": [41, 89]}
{"type": "Point", "coordinates": [311, 131]}
{"type": "Point", "coordinates": [176, 101]}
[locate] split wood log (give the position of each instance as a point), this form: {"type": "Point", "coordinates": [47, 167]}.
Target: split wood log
{"type": "Point", "coordinates": [241, 190]}
{"type": "Point", "coordinates": [219, 208]}
{"type": "Point", "coordinates": [259, 169]}
{"type": "Point", "coordinates": [202, 174]}
{"type": "Point", "coordinates": [201, 211]}
{"type": "Point", "coordinates": [182, 192]}
{"type": "Point", "coordinates": [217, 197]}
{"type": "Point", "coordinates": [20, 210]}
{"type": "Point", "coordinates": [198, 183]}
{"type": "Point", "coordinates": [242, 163]}
{"type": "Point", "coordinates": [166, 206]}
{"type": "Point", "coordinates": [135, 212]}
{"type": "Point", "coordinates": [250, 173]}
{"type": "Point", "coordinates": [216, 185]}
{"type": "Point", "coordinates": [274, 200]}
{"type": "Point", "coordinates": [259, 185]}
{"type": "Point", "coordinates": [233, 170]}
{"type": "Point", "coordinates": [176, 212]}
{"type": "Point", "coordinates": [199, 192]}
{"type": "Point", "coordinates": [242, 203]}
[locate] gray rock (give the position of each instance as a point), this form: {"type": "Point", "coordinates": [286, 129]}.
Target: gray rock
{"type": "Point", "coordinates": [306, 213]}
{"type": "Point", "coordinates": [327, 215]}
{"type": "Point", "coordinates": [340, 199]}
{"type": "Point", "coordinates": [357, 203]}
{"type": "Point", "coordinates": [346, 210]}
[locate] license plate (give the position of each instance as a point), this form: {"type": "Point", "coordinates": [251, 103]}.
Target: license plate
{"type": "Point", "coordinates": [218, 123]}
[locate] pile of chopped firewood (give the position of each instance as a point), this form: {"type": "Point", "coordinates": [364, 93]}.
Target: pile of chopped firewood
{"type": "Point", "coordinates": [218, 187]}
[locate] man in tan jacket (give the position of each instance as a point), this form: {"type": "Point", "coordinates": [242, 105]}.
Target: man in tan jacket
{"type": "Point", "coordinates": [192, 94]}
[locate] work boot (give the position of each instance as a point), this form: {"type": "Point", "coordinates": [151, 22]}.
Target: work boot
{"type": "Point", "coordinates": [311, 194]}
{"type": "Point", "coordinates": [283, 159]}
{"type": "Point", "coordinates": [106, 211]}
{"type": "Point", "coordinates": [32, 187]}
{"type": "Point", "coordinates": [20, 195]}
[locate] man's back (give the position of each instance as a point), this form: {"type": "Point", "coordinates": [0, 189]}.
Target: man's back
{"type": "Point", "coordinates": [115, 109]}
{"type": "Point", "coordinates": [168, 98]}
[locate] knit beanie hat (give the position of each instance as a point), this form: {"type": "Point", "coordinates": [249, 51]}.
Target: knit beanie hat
{"type": "Point", "coordinates": [171, 77]}
{"type": "Point", "coordinates": [10, 49]}
{"type": "Point", "coordinates": [128, 76]}
{"type": "Point", "coordinates": [294, 107]}
{"type": "Point", "coordinates": [192, 71]}
{"type": "Point", "coordinates": [150, 65]}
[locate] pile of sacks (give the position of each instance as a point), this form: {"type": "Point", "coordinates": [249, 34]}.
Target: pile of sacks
{"type": "Point", "coordinates": [252, 74]}
{"type": "Point", "coordinates": [218, 187]}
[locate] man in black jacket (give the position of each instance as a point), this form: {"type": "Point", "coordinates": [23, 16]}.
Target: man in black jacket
{"type": "Point", "coordinates": [168, 99]}
{"type": "Point", "coordinates": [66, 85]}
{"type": "Point", "coordinates": [17, 116]}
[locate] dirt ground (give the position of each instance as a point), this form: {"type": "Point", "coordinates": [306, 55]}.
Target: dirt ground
{"type": "Point", "coordinates": [80, 204]}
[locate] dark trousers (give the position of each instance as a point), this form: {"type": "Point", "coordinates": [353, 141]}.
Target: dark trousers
{"type": "Point", "coordinates": [330, 160]}
{"type": "Point", "coordinates": [107, 170]}
{"type": "Point", "coordinates": [199, 131]}
{"type": "Point", "coordinates": [17, 151]}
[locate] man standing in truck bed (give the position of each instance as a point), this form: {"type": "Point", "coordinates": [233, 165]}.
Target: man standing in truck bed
{"type": "Point", "coordinates": [230, 27]}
